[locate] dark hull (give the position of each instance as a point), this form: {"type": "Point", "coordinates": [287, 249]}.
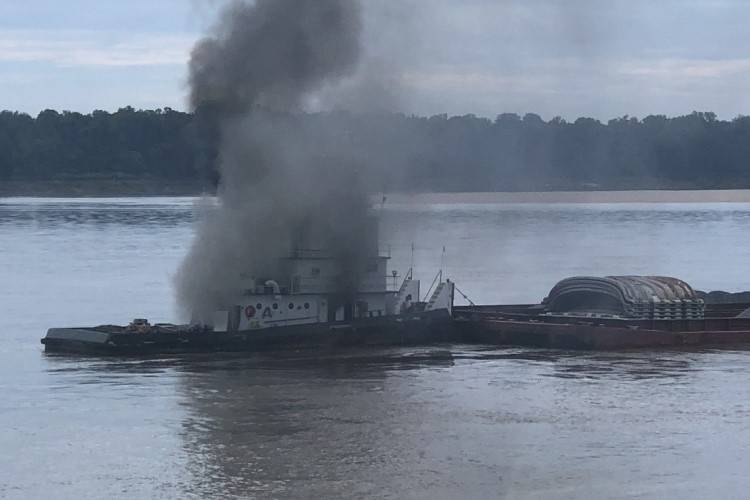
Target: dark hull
{"type": "Point", "coordinates": [489, 325]}
{"type": "Point", "coordinates": [422, 328]}
{"type": "Point", "coordinates": [520, 326]}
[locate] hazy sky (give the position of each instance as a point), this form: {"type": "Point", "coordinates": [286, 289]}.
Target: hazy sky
{"type": "Point", "coordinates": [600, 58]}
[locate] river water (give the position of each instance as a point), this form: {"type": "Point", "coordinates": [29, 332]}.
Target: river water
{"type": "Point", "coordinates": [435, 422]}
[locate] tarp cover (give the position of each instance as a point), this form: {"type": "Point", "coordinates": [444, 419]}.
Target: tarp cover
{"type": "Point", "coordinates": [626, 295]}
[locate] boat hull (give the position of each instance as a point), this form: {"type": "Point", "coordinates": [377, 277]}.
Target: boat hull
{"type": "Point", "coordinates": [427, 327]}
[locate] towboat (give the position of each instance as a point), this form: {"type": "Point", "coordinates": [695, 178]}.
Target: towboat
{"type": "Point", "coordinates": [306, 306]}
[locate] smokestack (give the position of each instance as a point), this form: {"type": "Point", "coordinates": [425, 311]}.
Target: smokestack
{"type": "Point", "coordinates": [280, 176]}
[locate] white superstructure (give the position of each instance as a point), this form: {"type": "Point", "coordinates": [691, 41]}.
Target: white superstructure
{"type": "Point", "coordinates": [312, 289]}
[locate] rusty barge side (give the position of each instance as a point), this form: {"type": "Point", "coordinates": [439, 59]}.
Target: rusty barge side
{"type": "Point", "coordinates": [520, 325]}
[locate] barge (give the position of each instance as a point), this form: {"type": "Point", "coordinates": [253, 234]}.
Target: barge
{"type": "Point", "coordinates": [612, 313]}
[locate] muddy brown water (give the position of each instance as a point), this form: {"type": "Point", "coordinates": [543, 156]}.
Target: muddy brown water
{"type": "Point", "coordinates": [444, 421]}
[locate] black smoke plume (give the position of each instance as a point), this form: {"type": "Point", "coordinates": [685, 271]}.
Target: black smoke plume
{"type": "Point", "coordinates": [281, 179]}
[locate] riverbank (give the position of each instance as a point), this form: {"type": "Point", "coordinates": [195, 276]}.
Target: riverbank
{"type": "Point", "coordinates": [90, 188]}
{"type": "Point", "coordinates": [636, 196]}
{"type": "Point", "coordinates": [159, 187]}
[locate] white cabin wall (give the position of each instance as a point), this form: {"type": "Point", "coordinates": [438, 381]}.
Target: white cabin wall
{"type": "Point", "coordinates": [321, 275]}
{"type": "Point", "coordinates": [313, 275]}
{"type": "Point", "coordinates": [276, 310]}
{"type": "Point", "coordinates": [340, 313]}
{"type": "Point", "coordinates": [407, 296]}
{"type": "Point", "coordinates": [221, 321]}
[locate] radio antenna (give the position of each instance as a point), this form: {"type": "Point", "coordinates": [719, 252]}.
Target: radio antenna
{"type": "Point", "coordinates": [412, 257]}
{"type": "Point", "coordinates": [442, 260]}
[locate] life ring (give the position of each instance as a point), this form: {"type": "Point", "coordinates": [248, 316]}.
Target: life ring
{"type": "Point", "coordinates": [249, 312]}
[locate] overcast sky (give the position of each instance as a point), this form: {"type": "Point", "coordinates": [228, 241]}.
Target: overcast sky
{"type": "Point", "coordinates": [600, 58]}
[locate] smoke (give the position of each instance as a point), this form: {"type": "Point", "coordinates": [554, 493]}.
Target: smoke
{"type": "Point", "coordinates": [283, 180]}
{"type": "Point", "coordinates": [273, 52]}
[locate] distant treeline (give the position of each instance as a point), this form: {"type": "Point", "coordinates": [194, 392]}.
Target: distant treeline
{"type": "Point", "coordinates": [440, 153]}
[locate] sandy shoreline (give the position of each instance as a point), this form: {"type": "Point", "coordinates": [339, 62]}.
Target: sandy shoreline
{"type": "Point", "coordinates": [655, 196]}
{"type": "Point", "coordinates": [470, 198]}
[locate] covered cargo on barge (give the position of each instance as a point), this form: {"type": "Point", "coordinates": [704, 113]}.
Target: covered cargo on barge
{"type": "Point", "coordinates": [632, 297]}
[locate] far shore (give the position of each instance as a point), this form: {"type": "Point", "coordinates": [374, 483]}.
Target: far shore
{"type": "Point", "coordinates": [101, 188]}
{"type": "Point", "coordinates": [145, 188]}
{"type": "Point", "coordinates": [638, 196]}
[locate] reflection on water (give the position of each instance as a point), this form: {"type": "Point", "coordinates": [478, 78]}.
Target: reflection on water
{"type": "Point", "coordinates": [636, 367]}
{"type": "Point", "coordinates": [377, 424]}
{"type": "Point", "coordinates": [290, 427]}
{"type": "Point", "coordinates": [426, 423]}
{"type": "Point", "coordinates": [574, 364]}
{"type": "Point", "coordinates": [437, 422]}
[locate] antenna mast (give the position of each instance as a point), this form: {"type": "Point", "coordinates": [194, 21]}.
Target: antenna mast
{"type": "Point", "coordinates": [442, 260]}
{"type": "Point", "coordinates": [411, 266]}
